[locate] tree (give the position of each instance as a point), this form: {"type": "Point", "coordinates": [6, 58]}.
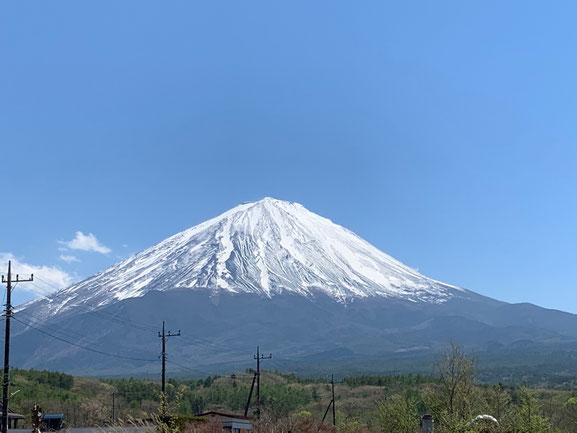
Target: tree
{"type": "Point", "coordinates": [398, 414]}
{"type": "Point", "coordinates": [528, 418]}
{"type": "Point", "coordinates": [451, 401]}
{"type": "Point", "coordinates": [498, 403]}
{"type": "Point", "coordinates": [456, 373]}
{"type": "Point", "coordinates": [570, 412]}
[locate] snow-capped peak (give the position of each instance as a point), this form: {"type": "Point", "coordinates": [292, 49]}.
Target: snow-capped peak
{"type": "Point", "coordinates": [268, 247]}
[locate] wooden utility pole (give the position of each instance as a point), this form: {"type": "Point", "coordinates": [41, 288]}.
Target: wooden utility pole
{"type": "Point", "coordinates": [333, 399]}
{"type": "Point", "coordinates": [8, 314]}
{"type": "Point", "coordinates": [259, 358]}
{"type": "Point", "coordinates": [113, 408]}
{"type": "Point", "coordinates": [164, 336]}
{"type": "Point", "coordinates": [256, 378]}
{"type": "Point", "coordinates": [249, 395]}
{"type": "Point", "coordinates": [332, 402]}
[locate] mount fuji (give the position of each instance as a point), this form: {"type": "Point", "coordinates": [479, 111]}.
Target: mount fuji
{"type": "Point", "coordinates": [271, 273]}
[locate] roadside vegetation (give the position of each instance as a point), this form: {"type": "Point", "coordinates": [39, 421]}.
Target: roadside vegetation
{"type": "Point", "coordinates": [387, 404]}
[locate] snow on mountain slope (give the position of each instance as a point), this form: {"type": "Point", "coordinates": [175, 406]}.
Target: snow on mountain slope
{"type": "Point", "coordinates": [265, 248]}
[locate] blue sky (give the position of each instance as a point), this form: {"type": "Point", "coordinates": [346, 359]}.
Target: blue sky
{"type": "Point", "coordinates": [443, 133]}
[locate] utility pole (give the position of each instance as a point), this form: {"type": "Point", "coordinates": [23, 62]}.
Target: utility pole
{"type": "Point", "coordinates": [8, 314]}
{"type": "Point", "coordinates": [259, 358]}
{"type": "Point", "coordinates": [249, 395]}
{"type": "Point", "coordinates": [164, 336]}
{"type": "Point", "coordinates": [332, 403]}
{"type": "Point", "coordinates": [333, 399]}
{"type": "Point", "coordinates": [113, 408]}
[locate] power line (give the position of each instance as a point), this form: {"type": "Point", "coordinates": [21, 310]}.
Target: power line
{"type": "Point", "coordinates": [100, 314]}
{"type": "Point", "coordinates": [86, 307]}
{"type": "Point", "coordinates": [46, 332]}
{"type": "Point", "coordinates": [84, 347]}
{"type": "Point", "coordinates": [109, 316]}
{"type": "Point", "coordinates": [202, 341]}
{"type": "Point", "coordinates": [188, 368]}
{"type": "Point", "coordinates": [62, 332]}
{"type": "Point", "coordinates": [215, 346]}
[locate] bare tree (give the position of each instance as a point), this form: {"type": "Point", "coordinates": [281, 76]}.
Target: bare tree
{"type": "Point", "coordinates": [456, 373]}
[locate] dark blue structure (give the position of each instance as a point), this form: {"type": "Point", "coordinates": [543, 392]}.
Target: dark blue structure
{"type": "Point", "coordinates": [52, 421]}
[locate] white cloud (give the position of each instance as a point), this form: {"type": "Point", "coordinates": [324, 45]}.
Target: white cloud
{"type": "Point", "coordinates": [69, 259]}
{"type": "Point", "coordinates": [47, 279]}
{"type": "Point", "coordinates": [86, 243]}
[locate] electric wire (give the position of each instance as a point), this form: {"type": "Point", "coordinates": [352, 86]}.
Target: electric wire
{"type": "Point", "coordinates": [85, 307]}
{"type": "Point", "coordinates": [69, 333]}
{"type": "Point", "coordinates": [109, 316]}
{"type": "Point", "coordinates": [63, 332]}
{"type": "Point", "coordinates": [188, 368]}
{"type": "Point", "coordinates": [83, 347]}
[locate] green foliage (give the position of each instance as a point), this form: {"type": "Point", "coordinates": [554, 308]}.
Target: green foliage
{"type": "Point", "coordinates": [398, 414]}
{"type": "Point", "coordinates": [529, 418]}
{"type": "Point", "coordinates": [348, 424]}
{"type": "Point", "coordinates": [166, 421]}
{"type": "Point", "coordinates": [51, 379]}
{"type": "Point", "coordinates": [389, 404]}
{"type": "Point", "coordinates": [389, 381]}
{"type": "Point", "coordinates": [136, 390]}
{"type": "Point", "coordinates": [283, 399]}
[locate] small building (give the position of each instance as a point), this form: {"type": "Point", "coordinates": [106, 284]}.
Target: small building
{"type": "Point", "coordinates": [52, 421]}
{"type": "Point", "coordinates": [231, 422]}
{"type": "Point", "coordinates": [13, 417]}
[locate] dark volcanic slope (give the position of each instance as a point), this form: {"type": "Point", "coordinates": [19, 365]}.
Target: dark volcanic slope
{"type": "Point", "coordinates": [270, 273]}
{"type": "Point", "coordinates": [220, 332]}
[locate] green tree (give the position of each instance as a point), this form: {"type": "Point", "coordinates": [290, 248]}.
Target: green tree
{"type": "Point", "coordinates": [452, 401]}
{"type": "Point", "coordinates": [398, 414]}
{"type": "Point", "coordinates": [570, 412]}
{"type": "Point", "coordinates": [529, 418]}
{"type": "Point", "coordinates": [498, 401]}
{"type": "Point", "coordinates": [456, 373]}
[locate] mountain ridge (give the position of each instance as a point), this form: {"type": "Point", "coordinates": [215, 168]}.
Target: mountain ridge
{"type": "Point", "coordinates": [273, 274]}
{"type": "Point", "coordinates": [265, 247]}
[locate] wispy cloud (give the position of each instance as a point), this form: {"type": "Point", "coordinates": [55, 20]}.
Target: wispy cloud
{"type": "Point", "coordinates": [86, 243]}
{"type": "Point", "coordinates": [47, 279]}
{"type": "Point", "coordinates": [69, 259]}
